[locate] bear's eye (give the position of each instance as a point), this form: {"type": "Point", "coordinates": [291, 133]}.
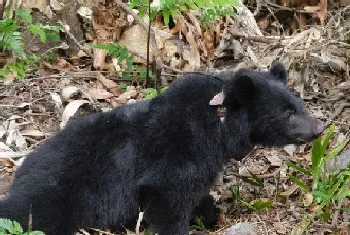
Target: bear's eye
{"type": "Point", "coordinates": [288, 112]}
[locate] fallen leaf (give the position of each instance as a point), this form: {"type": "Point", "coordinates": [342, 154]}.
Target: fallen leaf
{"type": "Point", "coordinates": [68, 92]}
{"type": "Point", "coordinates": [99, 94]}
{"type": "Point", "coordinates": [58, 102]}
{"type": "Point", "coordinates": [322, 13]}
{"type": "Point", "coordinates": [123, 98]}
{"type": "Point", "coordinates": [274, 160]}
{"type": "Point", "coordinates": [34, 133]}
{"type": "Point", "coordinates": [289, 191]}
{"type": "Point", "coordinates": [290, 149]}
{"type": "Point", "coordinates": [308, 198]}
{"type": "Point", "coordinates": [70, 110]}
{"type": "Point", "coordinates": [194, 60]}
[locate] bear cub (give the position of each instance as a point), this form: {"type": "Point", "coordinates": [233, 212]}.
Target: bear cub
{"type": "Point", "coordinates": [159, 156]}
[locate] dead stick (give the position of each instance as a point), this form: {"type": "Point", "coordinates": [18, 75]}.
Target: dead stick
{"type": "Point", "coordinates": [71, 36]}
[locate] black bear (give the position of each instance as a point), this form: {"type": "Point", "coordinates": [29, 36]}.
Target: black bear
{"type": "Point", "coordinates": [159, 156]}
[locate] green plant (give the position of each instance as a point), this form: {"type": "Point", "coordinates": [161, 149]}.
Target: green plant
{"type": "Point", "coordinates": [11, 39]}
{"type": "Point", "coordinates": [8, 227]}
{"type": "Point", "coordinates": [327, 190]}
{"type": "Point", "coordinates": [121, 53]}
{"type": "Point", "coordinates": [171, 8]}
{"type": "Point", "coordinates": [151, 93]}
{"type": "Point", "coordinates": [199, 225]}
{"type": "Point", "coordinates": [255, 205]}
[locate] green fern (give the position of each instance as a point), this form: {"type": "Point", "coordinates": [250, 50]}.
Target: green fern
{"type": "Point", "coordinates": [211, 9]}
{"type": "Point", "coordinates": [8, 227]}
{"type": "Point", "coordinates": [11, 39]}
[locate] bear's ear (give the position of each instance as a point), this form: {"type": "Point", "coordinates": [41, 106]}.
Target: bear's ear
{"type": "Point", "coordinates": [279, 72]}
{"type": "Point", "coordinates": [242, 90]}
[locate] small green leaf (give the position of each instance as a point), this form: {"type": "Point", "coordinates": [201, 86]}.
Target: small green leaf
{"type": "Point", "coordinates": [53, 37]}
{"type": "Point", "coordinates": [260, 204]}
{"type": "Point", "coordinates": [325, 216]}
{"type": "Point", "coordinates": [327, 139]}
{"type": "Point", "coordinates": [298, 168]}
{"type": "Point", "coordinates": [150, 93]}
{"type": "Point", "coordinates": [163, 89]}
{"type": "Point", "coordinates": [35, 29]}
{"type": "Point", "coordinates": [299, 183]}
{"type": "Point", "coordinates": [24, 15]}
{"type": "Point", "coordinates": [337, 150]}
{"type": "Point", "coordinates": [36, 233]}
{"type": "Point", "coordinates": [166, 15]}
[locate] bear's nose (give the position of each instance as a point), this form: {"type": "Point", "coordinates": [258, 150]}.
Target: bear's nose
{"type": "Point", "coordinates": [319, 129]}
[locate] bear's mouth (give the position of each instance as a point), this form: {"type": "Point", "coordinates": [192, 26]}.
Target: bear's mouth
{"type": "Point", "coordinates": [301, 141]}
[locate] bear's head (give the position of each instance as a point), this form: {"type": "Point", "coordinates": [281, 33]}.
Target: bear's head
{"type": "Point", "coordinates": [276, 116]}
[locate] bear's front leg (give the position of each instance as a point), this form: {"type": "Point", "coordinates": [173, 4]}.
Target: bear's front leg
{"type": "Point", "coordinates": [167, 213]}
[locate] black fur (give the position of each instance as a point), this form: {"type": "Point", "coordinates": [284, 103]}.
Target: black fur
{"type": "Point", "coordinates": [159, 156]}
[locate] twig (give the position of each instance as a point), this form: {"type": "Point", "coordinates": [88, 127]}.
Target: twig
{"type": "Point", "coordinates": [148, 45]}
{"type": "Point", "coordinates": [264, 39]}
{"type": "Point", "coordinates": [101, 231]}
{"type": "Point", "coordinates": [287, 8]}
{"type": "Point", "coordinates": [139, 220]}
{"type": "Point", "coordinates": [71, 36]}
{"type": "Point", "coordinates": [12, 155]}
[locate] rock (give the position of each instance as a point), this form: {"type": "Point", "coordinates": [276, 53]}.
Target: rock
{"type": "Point", "coordinates": [241, 229]}
{"type": "Point", "coordinates": [339, 162]}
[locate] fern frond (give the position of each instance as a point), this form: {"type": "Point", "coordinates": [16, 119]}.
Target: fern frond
{"type": "Point", "coordinates": [13, 41]}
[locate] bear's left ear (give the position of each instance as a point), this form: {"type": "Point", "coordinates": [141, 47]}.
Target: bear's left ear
{"type": "Point", "coordinates": [279, 72]}
{"type": "Point", "coordinates": [241, 90]}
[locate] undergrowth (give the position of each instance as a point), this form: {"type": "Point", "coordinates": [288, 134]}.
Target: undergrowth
{"type": "Point", "coordinates": [8, 227]}
{"type": "Point", "coordinates": [11, 40]}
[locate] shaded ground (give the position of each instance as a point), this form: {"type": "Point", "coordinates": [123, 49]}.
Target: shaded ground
{"type": "Point", "coordinates": [30, 104]}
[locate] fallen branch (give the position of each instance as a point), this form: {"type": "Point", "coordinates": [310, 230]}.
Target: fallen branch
{"type": "Point", "coordinates": [71, 36]}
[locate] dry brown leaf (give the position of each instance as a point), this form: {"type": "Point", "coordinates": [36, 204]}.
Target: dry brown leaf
{"type": "Point", "coordinates": [290, 190]}
{"type": "Point", "coordinates": [106, 82]}
{"type": "Point", "coordinates": [58, 102]}
{"type": "Point", "coordinates": [280, 227]}
{"type": "Point", "coordinates": [209, 43]}
{"type": "Point", "coordinates": [69, 92]}
{"type": "Point", "coordinates": [123, 98]}
{"type": "Point", "coordinates": [158, 21]}
{"type": "Point", "coordinates": [290, 149]}
{"type": "Point", "coordinates": [62, 65]}
{"type": "Point", "coordinates": [111, 85]}
{"type": "Point", "coordinates": [70, 110]}
{"type": "Point", "coordinates": [176, 29]}
{"type": "Point", "coordinates": [191, 16]}
{"type": "Point", "coordinates": [183, 26]}
{"type": "Point", "coordinates": [135, 39]}
{"type": "Point", "coordinates": [194, 60]}
{"type": "Point", "coordinates": [274, 160]}
{"type": "Point", "coordinates": [255, 169]}
{"type": "Point", "coordinates": [99, 57]}
{"type": "Point", "coordinates": [322, 13]}
{"type": "Point", "coordinates": [9, 78]}
{"type": "Point", "coordinates": [308, 198]}
{"type": "Point", "coordinates": [34, 133]}
{"type": "Point", "coordinates": [99, 94]}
